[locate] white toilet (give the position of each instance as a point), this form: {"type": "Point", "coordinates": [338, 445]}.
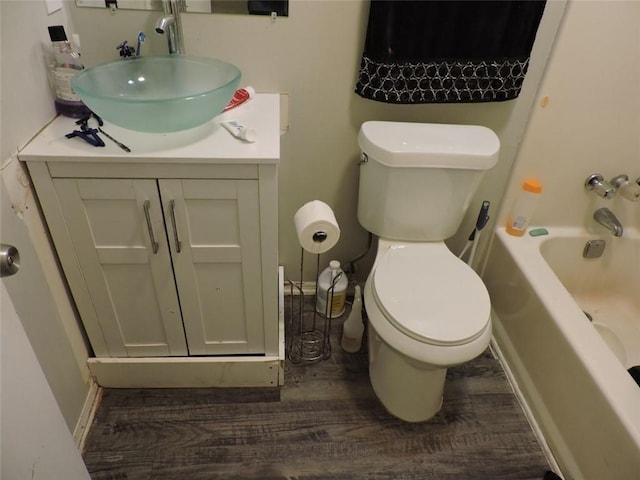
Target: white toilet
{"type": "Point", "coordinates": [427, 309]}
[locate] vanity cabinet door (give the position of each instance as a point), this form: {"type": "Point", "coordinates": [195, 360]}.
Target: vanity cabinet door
{"type": "Point", "coordinates": [213, 228]}
{"type": "Point", "coordinates": [118, 234]}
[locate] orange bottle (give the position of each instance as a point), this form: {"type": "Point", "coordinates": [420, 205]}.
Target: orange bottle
{"type": "Point", "coordinates": [524, 207]}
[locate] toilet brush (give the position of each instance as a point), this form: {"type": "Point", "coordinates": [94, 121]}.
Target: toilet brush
{"type": "Point", "coordinates": [472, 241]}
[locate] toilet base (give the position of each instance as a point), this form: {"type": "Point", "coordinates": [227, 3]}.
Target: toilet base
{"type": "Point", "coordinates": [409, 390]}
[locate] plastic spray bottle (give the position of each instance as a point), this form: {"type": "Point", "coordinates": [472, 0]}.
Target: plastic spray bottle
{"type": "Point", "coordinates": [353, 327]}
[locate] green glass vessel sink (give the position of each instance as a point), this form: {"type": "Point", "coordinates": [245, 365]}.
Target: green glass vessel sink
{"type": "Point", "coordinates": [158, 94]}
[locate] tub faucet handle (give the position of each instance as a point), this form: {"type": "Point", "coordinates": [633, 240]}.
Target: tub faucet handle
{"type": "Point", "coordinates": [626, 188]}
{"type": "Point", "coordinates": [598, 184]}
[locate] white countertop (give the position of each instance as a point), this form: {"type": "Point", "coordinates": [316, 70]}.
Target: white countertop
{"type": "Point", "coordinates": [207, 144]}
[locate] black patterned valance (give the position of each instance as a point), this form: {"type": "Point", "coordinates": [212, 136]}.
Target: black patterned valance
{"type": "Point", "coordinates": [447, 51]}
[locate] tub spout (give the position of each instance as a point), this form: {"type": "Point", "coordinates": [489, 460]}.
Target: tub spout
{"type": "Point", "coordinates": [607, 219]}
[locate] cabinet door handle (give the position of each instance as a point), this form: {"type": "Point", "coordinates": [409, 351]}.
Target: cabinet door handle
{"type": "Point", "coordinates": [152, 237]}
{"type": "Point", "coordinates": [172, 212]}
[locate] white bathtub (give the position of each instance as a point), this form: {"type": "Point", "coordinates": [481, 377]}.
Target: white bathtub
{"type": "Point", "coordinates": [573, 372]}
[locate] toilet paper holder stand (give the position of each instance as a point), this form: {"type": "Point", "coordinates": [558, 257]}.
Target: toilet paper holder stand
{"type": "Point", "coordinates": [308, 335]}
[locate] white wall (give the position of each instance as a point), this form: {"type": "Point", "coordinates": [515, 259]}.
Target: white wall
{"type": "Point", "coordinates": [314, 55]}
{"type": "Point", "coordinates": [27, 103]}
{"type": "Point", "coordinates": [592, 120]}
{"type": "Point", "coordinates": [38, 292]}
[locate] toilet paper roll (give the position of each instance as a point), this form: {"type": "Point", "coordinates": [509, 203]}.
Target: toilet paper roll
{"type": "Point", "coordinates": [316, 226]}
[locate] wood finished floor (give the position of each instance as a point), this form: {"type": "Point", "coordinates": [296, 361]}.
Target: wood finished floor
{"type": "Point", "coordinates": [325, 423]}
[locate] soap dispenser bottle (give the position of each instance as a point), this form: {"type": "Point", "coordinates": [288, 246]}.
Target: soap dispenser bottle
{"type": "Point", "coordinates": [353, 327]}
{"type": "Point", "coordinates": [64, 63]}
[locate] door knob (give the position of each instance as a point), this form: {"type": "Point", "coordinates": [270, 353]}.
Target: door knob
{"type": "Point", "coordinates": [9, 260]}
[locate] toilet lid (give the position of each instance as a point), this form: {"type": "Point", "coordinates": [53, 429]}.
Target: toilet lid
{"type": "Point", "coordinates": [431, 295]}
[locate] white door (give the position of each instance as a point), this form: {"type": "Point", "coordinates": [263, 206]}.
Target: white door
{"type": "Point", "coordinates": [214, 235]}
{"type": "Point", "coordinates": [118, 233]}
{"type": "Point", "coordinates": [36, 442]}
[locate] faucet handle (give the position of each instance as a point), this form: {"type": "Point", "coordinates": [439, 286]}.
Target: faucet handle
{"type": "Point", "coordinates": [125, 49]}
{"type": "Point", "coordinates": [598, 184]}
{"type": "Point", "coordinates": [628, 189]}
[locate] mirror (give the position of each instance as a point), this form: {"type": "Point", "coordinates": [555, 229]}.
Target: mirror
{"type": "Point", "coordinates": [242, 7]}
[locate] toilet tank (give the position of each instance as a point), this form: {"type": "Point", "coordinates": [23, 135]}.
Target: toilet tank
{"type": "Point", "coordinates": [417, 179]}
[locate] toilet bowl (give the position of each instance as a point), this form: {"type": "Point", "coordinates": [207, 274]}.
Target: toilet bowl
{"type": "Point", "coordinates": [427, 311]}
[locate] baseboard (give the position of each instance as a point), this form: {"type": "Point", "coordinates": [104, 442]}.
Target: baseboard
{"type": "Point", "coordinates": [87, 414]}
{"type": "Point", "coordinates": [308, 288]}
{"type": "Point", "coordinates": [196, 371]}
{"type": "Point", "coordinates": [281, 327]}
{"type": "Point", "coordinates": [186, 372]}
{"type": "Point", "coordinates": [535, 427]}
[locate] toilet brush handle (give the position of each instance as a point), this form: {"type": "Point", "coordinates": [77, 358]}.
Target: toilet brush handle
{"type": "Point", "coordinates": [483, 215]}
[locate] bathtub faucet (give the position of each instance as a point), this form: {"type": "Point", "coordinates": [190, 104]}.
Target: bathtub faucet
{"type": "Point", "coordinates": [607, 219]}
{"type": "Point", "coordinates": [596, 183]}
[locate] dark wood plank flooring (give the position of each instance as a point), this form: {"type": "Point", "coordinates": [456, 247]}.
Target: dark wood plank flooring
{"type": "Point", "coordinates": [324, 423]}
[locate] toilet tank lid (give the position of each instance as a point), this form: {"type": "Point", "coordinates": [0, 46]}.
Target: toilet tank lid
{"type": "Point", "coordinates": [435, 145]}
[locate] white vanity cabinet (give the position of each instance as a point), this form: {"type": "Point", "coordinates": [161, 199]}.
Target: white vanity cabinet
{"type": "Point", "coordinates": [133, 236]}
{"type": "Point", "coordinates": [127, 272]}
{"type": "Point", "coordinates": [170, 253]}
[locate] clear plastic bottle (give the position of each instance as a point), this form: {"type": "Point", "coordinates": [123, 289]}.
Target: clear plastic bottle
{"type": "Point", "coordinates": [325, 281]}
{"type": "Point", "coordinates": [65, 62]}
{"type": "Point", "coordinates": [524, 207]}
{"type": "Point", "coordinates": [353, 327]}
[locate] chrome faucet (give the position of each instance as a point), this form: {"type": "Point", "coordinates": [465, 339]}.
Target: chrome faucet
{"type": "Point", "coordinates": [598, 184]}
{"type": "Point", "coordinates": [171, 25]}
{"type": "Point", "coordinates": [608, 220]}
{"type": "Point", "coordinates": [626, 188]}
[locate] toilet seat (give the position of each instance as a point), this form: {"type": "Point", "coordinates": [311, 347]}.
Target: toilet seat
{"type": "Point", "coordinates": [430, 295]}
